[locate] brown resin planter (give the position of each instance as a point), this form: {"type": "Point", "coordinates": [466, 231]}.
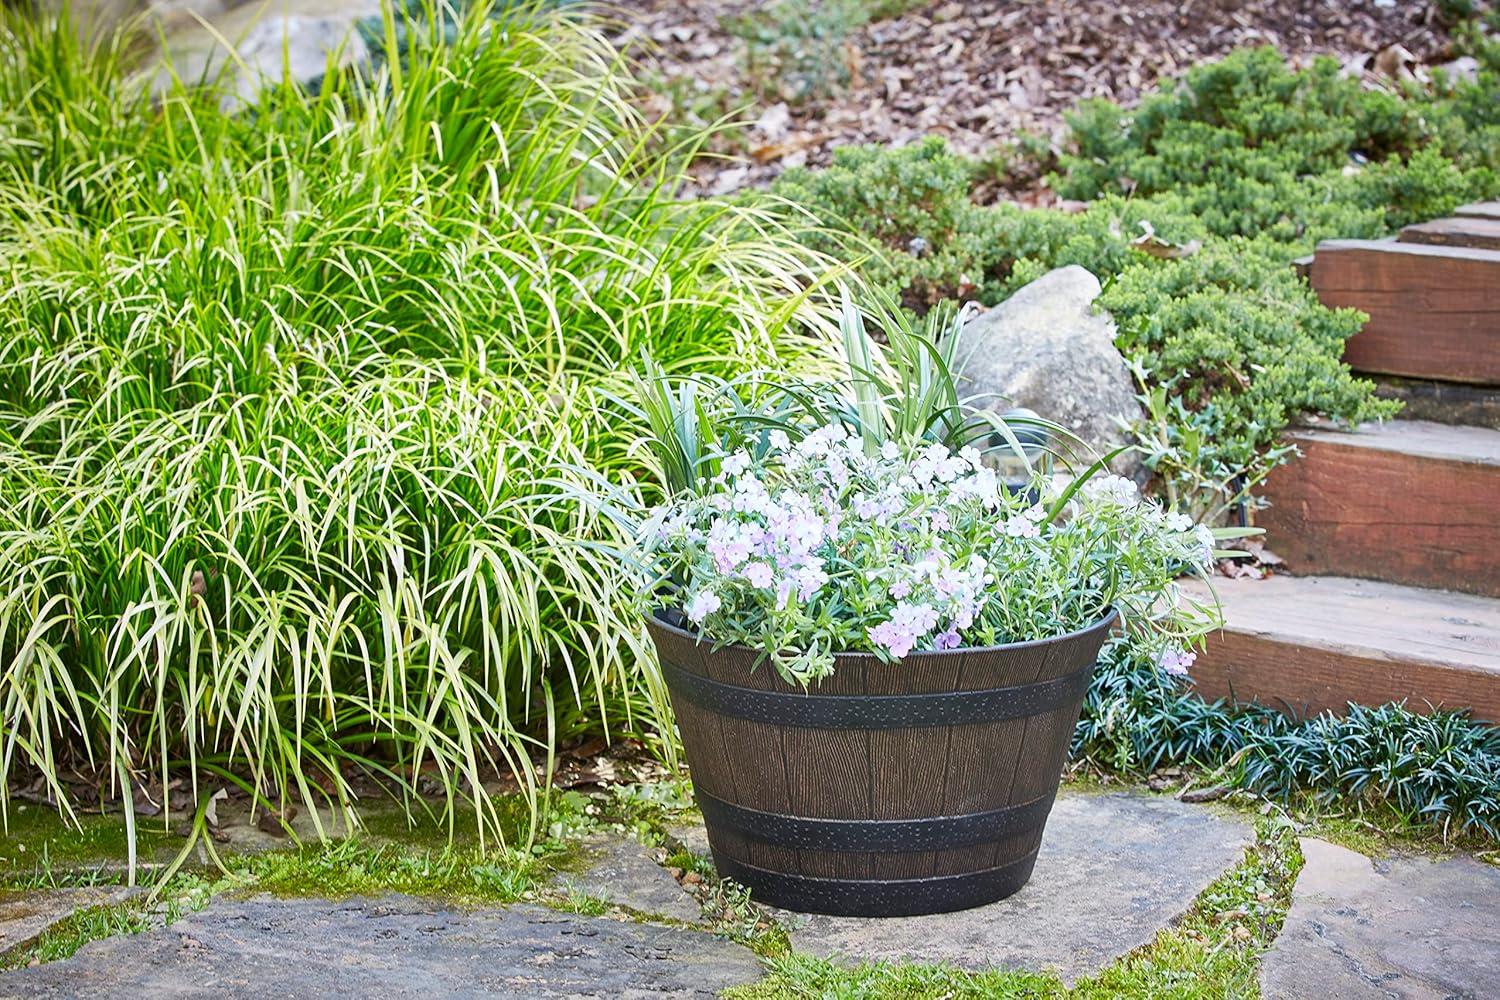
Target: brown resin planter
{"type": "Point", "coordinates": [885, 790]}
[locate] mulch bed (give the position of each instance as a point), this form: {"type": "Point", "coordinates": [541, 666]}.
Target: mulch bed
{"type": "Point", "coordinates": [982, 73]}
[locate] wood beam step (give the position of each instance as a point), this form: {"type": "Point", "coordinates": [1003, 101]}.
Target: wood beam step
{"type": "Point", "coordinates": [1434, 310]}
{"type": "Point", "coordinates": [1410, 501]}
{"type": "Point", "coordinates": [1479, 210]}
{"type": "Point", "coordinates": [1478, 232]}
{"type": "Point", "coordinates": [1308, 644]}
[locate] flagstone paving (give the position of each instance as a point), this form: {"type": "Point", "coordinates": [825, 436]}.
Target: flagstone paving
{"type": "Point", "coordinates": [393, 946]}
{"type": "Point", "coordinates": [1113, 870]}
{"type": "Point", "coordinates": [620, 872]}
{"type": "Point", "coordinates": [1409, 928]}
{"type": "Point", "coordinates": [26, 915]}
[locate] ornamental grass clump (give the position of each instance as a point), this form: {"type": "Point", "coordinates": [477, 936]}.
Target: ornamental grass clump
{"type": "Point", "coordinates": [288, 385]}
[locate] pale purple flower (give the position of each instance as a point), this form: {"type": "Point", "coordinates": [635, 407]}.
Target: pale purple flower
{"type": "Point", "coordinates": [703, 604]}
{"type": "Point", "coordinates": [729, 544]}
{"type": "Point", "coordinates": [1175, 661]}
{"type": "Point", "coordinates": [758, 574]}
{"type": "Point", "coordinates": [946, 640]}
{"type": "Point", "coordinates": [1021, 526]}
{"type": "Point", "coordinates": [908, 624]}
{"type": "Point", "coordinates": [810, 580]}
{"type": "Point", "coordinates": [736, 464]}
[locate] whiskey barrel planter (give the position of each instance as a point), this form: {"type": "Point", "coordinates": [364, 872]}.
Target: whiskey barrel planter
{"type": "Point", "coordinates": [886, 789]}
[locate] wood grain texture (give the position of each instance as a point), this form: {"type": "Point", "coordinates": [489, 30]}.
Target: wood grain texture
{"type": "Point", "coordinates": [1480, 233]}
{"type": "Point", "coordinates": [1410, 502]}
{"type": "Point", "coordinates": [909, 764]}
{"type": "Point", "coordinates": [756, 751]}
{"type": "Point", "coordinates": [1310, 644]}
{"type": "Point", "coordinates": [1434, 311]}
{"type": "Point", "coordinates": [898, 773]}
{"type": "Point", "coordinates": [828, 776]}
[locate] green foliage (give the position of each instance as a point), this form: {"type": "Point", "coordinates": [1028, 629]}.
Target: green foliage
{"type": "Point", "coordinates": [288, 393]}
{"type": "Point", "coordinates": [908, 209]}
{"type": "Point", "coordinates": [1254, 147]}
{"type": "Point", "coordinates": [1250, 158]}
{"type": "Point", "coordinates": [1440, 770]}
{"type": "Point", "coordinates": [63, 939]}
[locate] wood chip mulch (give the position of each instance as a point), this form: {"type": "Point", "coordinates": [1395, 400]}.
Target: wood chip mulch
{"type": "Point", "coordinates": [982, 73]}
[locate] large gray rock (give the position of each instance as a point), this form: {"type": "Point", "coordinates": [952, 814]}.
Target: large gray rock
{"type": "Point", "coordinates": [1410, 928]}
{"type": "Point", "coordinates": [1046, 348]}
{"type": "Point", "coordinates": [1113, 870]}
{"type": "Point", "coordinates": [395, 946]}
{"type": "Point", "coordinates": [260, 44]}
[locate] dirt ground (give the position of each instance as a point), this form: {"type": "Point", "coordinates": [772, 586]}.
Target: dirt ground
{"type": "Point", "coordinates": [813, 77]}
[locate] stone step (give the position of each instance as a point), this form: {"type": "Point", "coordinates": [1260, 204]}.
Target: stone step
{"type": "Point", "coordinates": [1410, 501]}
{"type": "Point", "coordinates": [1473, 231]}
{"type": "Point", "coordinates": [1434, 310]}
{"type": "Point", "coordinates": [1305, 644]}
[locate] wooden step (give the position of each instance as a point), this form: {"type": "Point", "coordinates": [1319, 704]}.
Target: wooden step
{"type": "Point", "coordinates": [1476, 231]}
{"type": "Point", "coordinates": [1479, 210]}
{"type": "Point", "coordinates": [1410, 501]}
{"type": "Point", "coordinates": [1434, 311]}
{"type": "Point", "coordinates": [1314, 643]}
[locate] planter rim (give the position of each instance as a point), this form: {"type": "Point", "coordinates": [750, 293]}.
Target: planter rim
{"type": "Point", "coordinates": [1110, 616]}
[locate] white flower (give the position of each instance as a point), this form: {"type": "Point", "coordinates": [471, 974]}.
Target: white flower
{"type": "Point", "coordinates": [736, 464]}
{"type": "Point", "coordinates": [1205, 538]}
{"type": "Point", "coordinates": [1021, 526]}
{"type": "Point", "coordinates": [1179, 522]}
{"type": "Point", "coordinates": [779, 440]}
{"type": "Point", "coordinates": [703, 604]}
{"type": "Point", "coordinates": [1113, 489]}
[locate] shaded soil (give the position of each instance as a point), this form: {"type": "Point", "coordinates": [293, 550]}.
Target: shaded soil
{"type": "Point", "coordinates": [979, 73]}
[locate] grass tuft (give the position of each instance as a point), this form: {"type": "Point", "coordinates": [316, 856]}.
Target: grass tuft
{"type": "Point", "coordinates": [289, 391]}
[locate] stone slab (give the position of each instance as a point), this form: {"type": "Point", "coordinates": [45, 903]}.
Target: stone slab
{"type": "Point", "coordinates": [25, 915]}
{"type": "Point", "coordinates": [393, 946]}
{"type": "Point", "coordinates": [621, 872]}
{"type": "Point", "coordinates": [691, 835]}
{"type": "Point", "coordinates": [1113, 870]}
{"type": "Point", "coordinates": [1409, 928]}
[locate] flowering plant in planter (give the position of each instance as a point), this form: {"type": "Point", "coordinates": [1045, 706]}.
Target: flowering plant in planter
{"type": "Point", "coordinates": [864, 516]}
{"type": "Point", "coordinates": [877, 643]}
{"type": "Point", "coordinates": [825, 545]}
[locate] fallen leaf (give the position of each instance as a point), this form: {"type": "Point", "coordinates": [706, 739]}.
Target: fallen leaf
{"type": "Point", "coordinates": [1149, 243]}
